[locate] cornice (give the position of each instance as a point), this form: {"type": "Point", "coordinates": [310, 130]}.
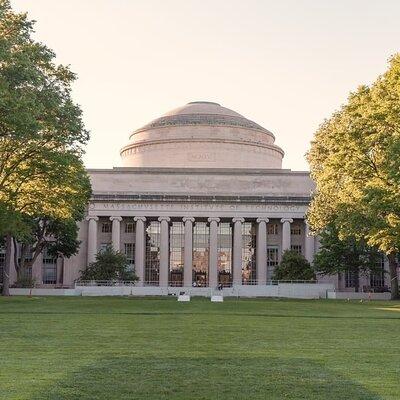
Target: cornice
{"type": "Point", "coordinates": [198, 171]}
{"type": "Point", "coordinates": [99, 197]}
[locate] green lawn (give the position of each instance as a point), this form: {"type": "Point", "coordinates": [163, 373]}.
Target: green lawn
{"type": "Point", "coordinates": [128, 348]}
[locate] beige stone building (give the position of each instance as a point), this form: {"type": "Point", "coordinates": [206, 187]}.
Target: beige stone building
{"type": "Point", "coordinates": [201, 200]}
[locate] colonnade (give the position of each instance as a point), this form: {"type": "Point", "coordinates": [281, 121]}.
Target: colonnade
{"type": "Point", "coordinates": [140, 243]}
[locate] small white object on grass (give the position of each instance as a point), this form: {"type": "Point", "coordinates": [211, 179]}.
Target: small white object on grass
{"type": "Point", "coordinates": [217, 299]}
{"type": "Point", "coordinates": [183, 297]}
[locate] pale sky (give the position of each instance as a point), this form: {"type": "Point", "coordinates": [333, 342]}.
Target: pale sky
{"type": "Point", "coordinates": [284, 64]}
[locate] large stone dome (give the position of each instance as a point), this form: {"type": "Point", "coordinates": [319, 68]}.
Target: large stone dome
{"type": "Point", "coordinates": [202, 134]}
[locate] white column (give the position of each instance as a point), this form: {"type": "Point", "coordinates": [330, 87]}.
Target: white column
{"type": "Point", "coordinates": [309, 250]}
{"type": "Point", "coordinates": [164, 250]}
{"type": "Point", "coordinates": [92, 238]}
{"type": "Point", "coordinates": [237, 250]}
{"type": "Point", "coordinates": [286, 233]}
{"type": "Point", "coordinates": [261, 251]}
{"type": "Point", "coordinates": [213, 259]}
{"type": "Point", "coordinates": [116, 233]}
{"type": "Point", "coordinates": [188, 252]}
{"type": "Point", "coordinates": [140, 248]}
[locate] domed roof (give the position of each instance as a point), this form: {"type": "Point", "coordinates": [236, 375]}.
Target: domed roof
{"type": "Point", "coordinates": [202, 134]}
{"type": "Point", "coordinates": [202, 113]}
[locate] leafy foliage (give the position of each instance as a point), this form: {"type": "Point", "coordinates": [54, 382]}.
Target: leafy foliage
{"type": "Point", "coordinates": [25, 281]}
{"type": "Point", "coordinates": [293, 267]}
{"type": "Point", "coordinates": [355, 163]}
{"type": "Point", "coordinates": [337, 255]}
{"type": "Point", "coordinates": [42, 136]}
{"type": "Point", "coordinates": [109, 265]}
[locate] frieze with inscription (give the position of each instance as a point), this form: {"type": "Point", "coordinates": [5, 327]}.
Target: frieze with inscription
{"type": "Point", "coordinates": [140, 206]}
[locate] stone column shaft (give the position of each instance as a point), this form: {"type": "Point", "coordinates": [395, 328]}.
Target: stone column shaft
{"type": "Point", "coordinates": [140, 249]}
{"type": "Point", "coordinates": [188, 252]}
{"type": "Point", "coordinates": [261, 251]}
{"type": "Point", "coordinates": [213, 260]}
{"type": "Point", "coordinates": [164, 250]}
{"type": "Point", "coordinates": [286, 233]}
{"type": "Point", "coordinates": [92, 239]}
{"type": "Point", "coordinates": [116, 233]}
{"type": "Point", "coordinates": [309, 244]}
{"type": "Point", "coordinates": [237, 250]}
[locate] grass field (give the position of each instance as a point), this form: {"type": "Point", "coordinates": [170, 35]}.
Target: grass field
{"type": "Point", "coordinates": [128, 348]}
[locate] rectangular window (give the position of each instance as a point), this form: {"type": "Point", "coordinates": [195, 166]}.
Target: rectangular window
{"type": "Point", "coordinates": [377, 278]}
{"type": "Point", "coordinates": [272, 260]}
{"type": "Point", "coordinates": [152, 263]}
{"type": "Point", "coordinates": [272, 229]}
{"type": "Point", "coordinates": [249, 276]}
{"type": "Point", "coordinates": [129, 227]}
{"type": "Point", "coordinates": [49, 269]}
{"type": "Point", "coordinates": [224, 239]}
{"type": "Point", "coordinates": [106, 227]}
{"type": "Point", "coordinates": [297, 248]}
{"type": "Point", "coordinates": [27, 271]}
{"type": "Point", "coordinates": [350, 279]}
{"type": "Point", "coordinates": [129, 251]}
{"type": "Point", "coordinates": [103, 247]}
{"type": "Point", "coordinates": [176, 253]}
{"type": "Point", "coordinates": [201, 250]}
{"type": "Point", "coordinates": [295, 229]}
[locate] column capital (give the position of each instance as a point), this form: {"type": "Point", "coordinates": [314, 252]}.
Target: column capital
{"type": "Point", "coordinates": [266, 220]}
{"type": "Point", "coordinates": [112, 218]}
{"type": "Point", "coordinates": [93, 217]}
{"type": "Point", "coordinates": [237, 219]}
{"type": "Point", "coordinates": [188, 219]}
{"type": "Point", "coordinates": [136, 219]}
{"type": "Point", "coordinates": [213, 219]}
{"type": "Point", "coordinates": [290, 220]}
{"type": "Point", "coordinates": [160, 219]}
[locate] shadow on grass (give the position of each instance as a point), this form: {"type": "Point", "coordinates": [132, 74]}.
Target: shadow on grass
{"type": "Point", "coordinates": [204, 378]}
{"type": "Point", "coordinates": [207, 313]}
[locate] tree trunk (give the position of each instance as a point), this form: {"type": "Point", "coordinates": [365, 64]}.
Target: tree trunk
{"type": "Point", "coordinates": [394, 280]}
{"type": "Point", "coordinates": [356, 274]}
{"type": "Point", "coordinates": [7, 266]}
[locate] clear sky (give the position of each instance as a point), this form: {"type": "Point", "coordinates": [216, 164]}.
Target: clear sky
{"type": "Point", "coordinates": [285, 64]}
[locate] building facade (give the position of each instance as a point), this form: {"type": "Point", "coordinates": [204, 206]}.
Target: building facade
{"type": "Point", "coordinates": [201, 200]}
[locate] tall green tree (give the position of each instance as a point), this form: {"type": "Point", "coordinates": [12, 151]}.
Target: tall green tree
{"type": "Point", "coordinates": [59, 237]}
{"type": "Point", "coordinates": [337, 256]}
{"type": "Point", "coordinates": [355, 163]}
{"type": "Point", "coordinates": [42, 134]}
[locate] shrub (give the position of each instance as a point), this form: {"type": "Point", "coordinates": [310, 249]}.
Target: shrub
{"type": "Point", "coordinates": [109, 265]}
{"type": "Point", "coordinates": [25, 281]}
{"type": "Point", "coordinates": [293, 267]}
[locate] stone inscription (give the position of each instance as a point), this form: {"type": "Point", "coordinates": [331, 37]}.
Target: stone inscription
{"type": "Point", "coordinates": [195, 207]}
{"type": "Point", "coordinates": [202, 157]}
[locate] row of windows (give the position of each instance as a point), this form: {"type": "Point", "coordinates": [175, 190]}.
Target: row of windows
{"type": "Point", "coordinates": [224, 249]}
{"type": "Point", "coordinates": [377, 278]}
{"type": "Point", "coordinates": [106, 227]}
{"type": "Point", "coordinates": [272, 229]}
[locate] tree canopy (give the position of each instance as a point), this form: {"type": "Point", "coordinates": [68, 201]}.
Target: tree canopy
{"type": "Point", "coordinates": [42, 134]}
{"type": "Point", "coordinates": [355, 163]}
{"type": "Point", "coordinates": [336, 256]}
